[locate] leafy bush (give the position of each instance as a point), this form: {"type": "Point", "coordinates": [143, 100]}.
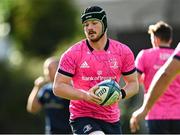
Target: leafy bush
{"type": "Point", "coordinates": [39, 25]}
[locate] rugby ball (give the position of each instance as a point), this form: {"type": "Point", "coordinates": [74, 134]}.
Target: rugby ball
{"type": "Point", "coordinates": [109, 91]}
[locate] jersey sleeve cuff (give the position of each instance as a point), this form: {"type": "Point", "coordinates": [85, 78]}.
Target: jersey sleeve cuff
{"type": "Point", "coordinates": [139, 71]}
{"type": "Point", "coordinates": [129, 72]}
{"type": "Point", "coordinates": [65, 73]}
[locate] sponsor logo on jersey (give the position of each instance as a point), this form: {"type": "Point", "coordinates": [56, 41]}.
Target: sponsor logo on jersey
{"type": "Point", "coordinates": [100, 78]}
{"type": "Point", "coordinates": [84, 65]}
{"type": "Point", "coordinates": [99, 72]}
{"type": "Point", "coordinates": [164, 56]}
{"type": "Point", "coordinates": [113, 63]}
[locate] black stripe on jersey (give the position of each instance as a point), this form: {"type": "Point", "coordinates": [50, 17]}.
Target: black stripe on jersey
{"type": "Point", "coordinates": [130, 72]}
{"type": "Point", "coordinates": [139, 71]}
{"type": "Point", "coordinates": [177, 57]}
{"type": "Point", "coordinates": [65, 73]}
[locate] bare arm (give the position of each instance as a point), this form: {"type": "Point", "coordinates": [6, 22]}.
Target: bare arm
{"type": "Point", "coordinates": [33, 105]}
{"type": "Point", "coordinates": [132, 85]}
{"type": "Point", "coordinates": [160, 82]}
{"type": "Point", "coordinates": [62, 87]}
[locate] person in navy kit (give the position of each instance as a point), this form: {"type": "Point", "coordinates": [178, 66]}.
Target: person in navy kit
{"type": "Point", "coordinates": [41, 97]}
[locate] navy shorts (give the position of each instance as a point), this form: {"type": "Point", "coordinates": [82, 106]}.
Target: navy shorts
{"type": "Point", "coordinates": [86, 125]}
{"type": "Point", "coordinates": [164, 126]}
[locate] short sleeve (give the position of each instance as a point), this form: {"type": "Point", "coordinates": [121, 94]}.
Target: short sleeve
{"type": "Point", "coordinates": [128, 64]}
{"type": "Point", "coordinates": [67, 64]}
{"type": "Point", "coordinates": [40, 95]}
{"type": "Point", "coordinates": [44, 94]}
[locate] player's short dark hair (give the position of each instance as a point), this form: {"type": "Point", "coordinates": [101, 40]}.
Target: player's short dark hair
{"type": "Point", "coordinates": [161, 30]}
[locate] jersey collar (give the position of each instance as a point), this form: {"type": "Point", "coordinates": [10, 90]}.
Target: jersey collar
{"type": "Point", "coordinates": [91, 49]}
{"type": "Point", "coordinates": [165, 47]}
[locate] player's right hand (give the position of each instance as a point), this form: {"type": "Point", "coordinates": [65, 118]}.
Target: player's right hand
{"type": "Point", "coordinates": [135, 118]}
{"type": "Point", "coordinates": [91, 97]}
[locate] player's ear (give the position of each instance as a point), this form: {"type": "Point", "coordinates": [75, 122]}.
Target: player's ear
{"type": "Point", "coordinates": [157, 40]}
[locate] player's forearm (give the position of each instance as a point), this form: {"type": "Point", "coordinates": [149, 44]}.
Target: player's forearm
{"type": "Point", "coordinates": [67, 91]}
{"type": "Point", "coordinates": [131, 89]}
{"type": "Point", "coordinates": [33, 105]}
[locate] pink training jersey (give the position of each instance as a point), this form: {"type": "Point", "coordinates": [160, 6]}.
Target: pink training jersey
{"type": "Point", "coordinates": [87, 67]}
{"type": "Point", "coordinates": [168, 105]}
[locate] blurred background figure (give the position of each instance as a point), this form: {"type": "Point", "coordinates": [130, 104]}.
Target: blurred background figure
{"type": "Point", "coordinates": [41, 97]}
{"type": "Point", "coordinates": [164, 116]}
{"type": "Point", "coordinates": [160, 82]}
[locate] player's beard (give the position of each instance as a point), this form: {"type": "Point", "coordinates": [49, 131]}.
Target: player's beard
{"type": "Point", "coordinates": [99, 36]}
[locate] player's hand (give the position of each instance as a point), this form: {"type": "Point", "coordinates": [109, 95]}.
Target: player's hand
{"type": "Point", "coordinates": [91, 97]}
{"type": "Point", "coordinates": [135, 118]}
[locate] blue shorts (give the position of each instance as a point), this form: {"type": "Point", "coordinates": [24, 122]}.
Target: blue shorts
{"type": "Point", "coordinates": [86, 125]}
{"type": "Point", "coordinates": [164, 126]}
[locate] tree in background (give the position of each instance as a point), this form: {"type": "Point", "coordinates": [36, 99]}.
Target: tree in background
{"type": "Point", "coordinates": [39, 25]}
